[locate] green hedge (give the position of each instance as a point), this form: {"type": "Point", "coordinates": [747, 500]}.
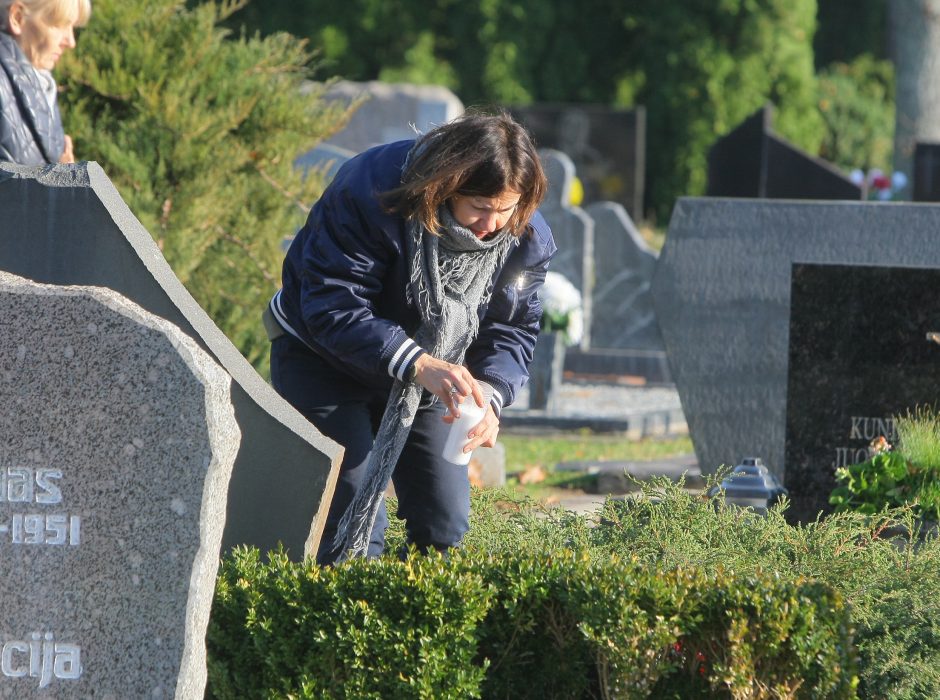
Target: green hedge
{"type": "Point", "coordinates": [521, 625]}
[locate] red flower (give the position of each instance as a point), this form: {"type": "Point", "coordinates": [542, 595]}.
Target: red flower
{"type": "Point", "coordinates": [881, 182]}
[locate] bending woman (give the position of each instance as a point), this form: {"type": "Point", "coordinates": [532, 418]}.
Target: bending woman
{"type": "Point", "coordinates": [33, 36]}
{"type": "Point", "coordinates": [414, 279]}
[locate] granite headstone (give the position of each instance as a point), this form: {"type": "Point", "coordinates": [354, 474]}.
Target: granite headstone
{"type": "Point", "coordinates": [859, 355]}
{"type": "Point", "coordinates": [606, 145]}
{"type": "Point", "coordinates": [573, 231]}
{"type": "Point", "coordinates": [753, 161]}
{"type": "Point", "coordinates": [390, 111]}
{"type": "Point", "coordinates": [622, 309]}
{"type": "Point", "coordinates": [722, 297]}
{"type": "Point", "coordinates": [67, 225]}
{"type": "Point", "coordinates": [325, 158]}
{"type": "Point", "coordinates": [119, 437]}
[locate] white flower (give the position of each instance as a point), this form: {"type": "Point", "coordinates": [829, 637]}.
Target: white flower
{"type": "Point", "coordinates": [558, 295]}
{"type": "Point", "coordinates": [561, 303]}
{"type": "Point", "coordinates": [575, 326]}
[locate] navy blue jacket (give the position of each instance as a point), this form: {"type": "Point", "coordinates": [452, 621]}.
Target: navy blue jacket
{"type": "Point", "coordinates": [346, 274]}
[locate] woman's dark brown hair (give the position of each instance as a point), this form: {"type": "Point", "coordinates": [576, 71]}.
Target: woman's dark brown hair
{"type": "Point", "coordinates": [475, 155]}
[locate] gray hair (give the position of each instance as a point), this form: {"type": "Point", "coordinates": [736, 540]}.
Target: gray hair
{"type": "Point", "coordinates": [56, 11]}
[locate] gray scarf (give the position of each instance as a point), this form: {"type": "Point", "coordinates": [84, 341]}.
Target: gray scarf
{"type": "Point", "coordinates": [451, 279]}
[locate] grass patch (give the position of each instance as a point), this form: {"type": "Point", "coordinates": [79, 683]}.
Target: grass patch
{"type": "Point", "coordinates": [527, 451]}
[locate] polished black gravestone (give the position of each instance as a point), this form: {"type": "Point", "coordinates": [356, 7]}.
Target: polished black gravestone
{"type": "Point", "coordinates": [752, 161]}
{"type": "Point", "coordinates": [859, 356]}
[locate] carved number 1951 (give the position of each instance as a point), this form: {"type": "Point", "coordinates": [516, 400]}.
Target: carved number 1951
{"type": "Point", "coordinates": [36, 528]}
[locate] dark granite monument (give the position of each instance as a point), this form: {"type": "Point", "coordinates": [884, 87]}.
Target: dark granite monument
{"type": "Point", "coordinates": [752, 161]}
{"type": "Point", "coordinates": [606, 145]}
{"type": "Point", "coordinates": [859, 355]}
{"type": "Point", "coordinates": [722, 290]}
{"type": "Point", "coordinates": [67, 225]}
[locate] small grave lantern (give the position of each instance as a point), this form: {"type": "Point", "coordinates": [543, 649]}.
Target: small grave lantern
{"type": "Point", "coordinates": [751, 485]}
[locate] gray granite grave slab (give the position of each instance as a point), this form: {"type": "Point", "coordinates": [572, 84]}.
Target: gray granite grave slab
{"type": "Point", "coordinates": [390, 111]}
{"type": "Point", "coordinates": [722, 296]}
{"type": "Point", "coordinates": [324, 158]}
{"type": "Point", "coordinates": [573, 231]}
{"type": "Point", "coordinates": [623, 267]}
{"type": "Point", "coordinates": [119, 437]}
{"type": "Point", "coordinates": [68, 225]}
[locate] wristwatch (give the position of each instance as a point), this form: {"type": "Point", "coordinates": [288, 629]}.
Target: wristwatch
{"type": "Point", "coordinates": [412, 372]}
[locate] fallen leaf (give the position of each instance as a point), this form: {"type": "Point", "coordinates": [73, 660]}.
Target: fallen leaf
{"type": "Point", "coordinates": [532, 475]}
{"type": "Point", "coordinates": [475, 473]}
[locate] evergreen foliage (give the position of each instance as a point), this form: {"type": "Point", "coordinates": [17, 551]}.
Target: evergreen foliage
{"type": "Point", "coordinates": [545, 565]}
{"type": "Point", "coordinates": [198, 130]}
{"type": "Point", "coordinates": [882, 565]}
{"type": "Point", "coordinates": [699, 68]}
{"type": "Point", "coordinates": [856, 101]}
{"type": "Point", "coordinates": [707, 67]}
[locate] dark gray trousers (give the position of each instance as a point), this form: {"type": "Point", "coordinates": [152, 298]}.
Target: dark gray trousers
{"type": "Point", "coordinates": [433, 494]}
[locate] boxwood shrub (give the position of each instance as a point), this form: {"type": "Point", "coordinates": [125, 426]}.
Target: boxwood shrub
{"type": "Point", "coordinates": [522, 624]}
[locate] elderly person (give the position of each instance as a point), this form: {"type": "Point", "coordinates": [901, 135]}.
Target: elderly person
{"type": "Point", "coordinates": [35, 34]}
{"type": "Point", "coordinates": [413, 283]}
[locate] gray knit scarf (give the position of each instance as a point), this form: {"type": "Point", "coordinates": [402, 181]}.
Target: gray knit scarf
{"type": "Point", "coordinates": [451, 279]}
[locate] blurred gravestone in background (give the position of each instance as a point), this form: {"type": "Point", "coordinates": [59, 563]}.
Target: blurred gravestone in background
{"type": "Point", "coordinates": [573, 231]}
{"type": "Point", "coordinates": [119, 437]}
{"type": "Point", "coordinates": [325, 158]}
{"type": "Point", "coordinates": [68, 225]}
{"type": "Point", "coordinates": [927, 172]}
{"type": "Point", "coordinates": [752, 161]}
{"type": "Point", "coordinates": [607, 147]}
{"type": "Point", "coordinates": [623, 268]}
{"type": "Point", "coordinates": [390, 112]}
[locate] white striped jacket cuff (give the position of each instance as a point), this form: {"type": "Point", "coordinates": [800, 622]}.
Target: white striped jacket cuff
{"type": "Point", "coordinates": [404, 357]}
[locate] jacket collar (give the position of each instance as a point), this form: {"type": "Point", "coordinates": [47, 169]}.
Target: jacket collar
{"type": "Point", "coordinates": [45, 123]}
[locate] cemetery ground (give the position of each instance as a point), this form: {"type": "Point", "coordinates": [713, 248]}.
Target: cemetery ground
{"type": "Point", "coordinates": [563, 466]}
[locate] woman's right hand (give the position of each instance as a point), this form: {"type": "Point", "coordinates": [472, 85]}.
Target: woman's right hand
{"type": "Point", "coordinates": [441, 378]}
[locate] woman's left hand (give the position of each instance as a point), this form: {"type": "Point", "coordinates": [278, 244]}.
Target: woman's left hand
{"type": "Point", "coordinates": [483, 433]}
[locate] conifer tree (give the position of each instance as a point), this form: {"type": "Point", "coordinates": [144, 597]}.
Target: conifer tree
{"type": "Point", "coordinates": [198, 129]}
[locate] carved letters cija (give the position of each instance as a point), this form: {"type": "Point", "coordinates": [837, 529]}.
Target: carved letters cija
{"type": "Point", "coordinates": [41, 657]}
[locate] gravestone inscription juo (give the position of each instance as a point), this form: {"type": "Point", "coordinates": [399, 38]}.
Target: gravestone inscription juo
{"type": "Point", "coordinates": [117, 439]}
{"type": "Point", "coordinates": [858, 356]}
